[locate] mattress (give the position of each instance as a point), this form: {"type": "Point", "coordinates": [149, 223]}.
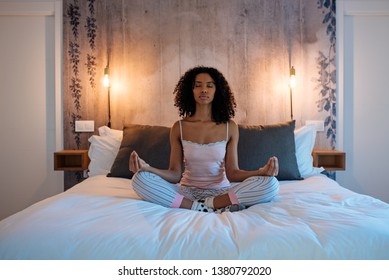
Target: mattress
{"type": "Point", "coordinates": [103, 218]}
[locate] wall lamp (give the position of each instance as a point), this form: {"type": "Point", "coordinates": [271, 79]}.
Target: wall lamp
{"type": "Point", "coordinates": [292, 85]}
{"type": "Point", "coordinates": [107, 85]}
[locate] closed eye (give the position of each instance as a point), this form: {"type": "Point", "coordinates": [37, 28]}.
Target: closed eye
{"type": "Point", "coordinates": [208, 84]}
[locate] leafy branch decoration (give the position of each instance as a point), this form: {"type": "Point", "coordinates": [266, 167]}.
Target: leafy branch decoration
{"type": "Point", "coordinates": [73, 13]}
{"type": "Point", "coordinates": [91, 25]}
{"type": "Point", "coordinates": [91, 69]}
{"type": "Point", "coordinates": [327, 71]}
{"type": "Point", "coordinates": [91, 29]}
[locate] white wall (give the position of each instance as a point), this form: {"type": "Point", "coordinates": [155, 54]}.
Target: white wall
{"type": "Point", "coordinates": [30, 109]}
{"type": "Point", "coordinates": [363, 131]}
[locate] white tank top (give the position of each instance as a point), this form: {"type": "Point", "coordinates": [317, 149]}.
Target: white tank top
{"type": "Point", "coordinates": [204, 164]}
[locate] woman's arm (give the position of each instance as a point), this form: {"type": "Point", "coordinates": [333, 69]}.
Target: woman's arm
{"type": "Point", "coordinates": [173, 174]}
{"type": "Point", "coordinates": [234, 174]}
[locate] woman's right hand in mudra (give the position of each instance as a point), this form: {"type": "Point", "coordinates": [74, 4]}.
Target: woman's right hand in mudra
{"type": "Point", "coordinates": [136, 163]}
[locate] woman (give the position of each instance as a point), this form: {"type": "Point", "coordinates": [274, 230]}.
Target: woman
{"type": "Point", "coordinates": [206, 141]}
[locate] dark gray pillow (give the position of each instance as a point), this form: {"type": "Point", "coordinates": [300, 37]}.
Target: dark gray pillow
{"type": "Point", "coordinates": [150, 142]}
{"type": "Point", "coordinates": [258, 143]}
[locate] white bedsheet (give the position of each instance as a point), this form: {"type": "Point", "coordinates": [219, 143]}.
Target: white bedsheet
{"type": "Point", "coordinates": [103, 218]}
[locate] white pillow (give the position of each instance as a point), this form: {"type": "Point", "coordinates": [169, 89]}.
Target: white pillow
{"type": "Point", "coordinates": [102, 153]}
{"type": "Point", "coordinates": [305, 141]}
{"type": "Point", "coordinates": [106, 131]}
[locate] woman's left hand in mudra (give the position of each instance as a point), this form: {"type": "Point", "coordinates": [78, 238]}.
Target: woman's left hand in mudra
{"type": "Point", "coordinates": [270, 169]}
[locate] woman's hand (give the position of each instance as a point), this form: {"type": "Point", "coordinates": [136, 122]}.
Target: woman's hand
{"type": "Point", "coordinates": [136, 163]}
{"type": "Point", "coordinates": [270, 169]}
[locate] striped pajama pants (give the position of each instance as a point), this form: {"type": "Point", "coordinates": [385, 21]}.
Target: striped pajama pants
{"type": "Point", "coordinates": [253, 190]}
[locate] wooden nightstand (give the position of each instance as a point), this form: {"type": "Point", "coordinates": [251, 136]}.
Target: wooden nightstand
{"type": "Point", "coordinates": [71, 160]}
{"type": "Point", "coordinates": [330, 160]}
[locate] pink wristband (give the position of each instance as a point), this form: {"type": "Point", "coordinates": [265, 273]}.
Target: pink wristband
{"type": "Point", "coordinates": [177, 201]}
{"type": "Point", "coordinates": [233, 197]}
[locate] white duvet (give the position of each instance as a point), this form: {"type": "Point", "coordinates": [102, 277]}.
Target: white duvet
{"type": "Point", "coordinates": [103, 218]}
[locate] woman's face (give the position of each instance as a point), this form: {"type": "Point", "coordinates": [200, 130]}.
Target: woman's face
{"type": "Point", "coordinates": [204, 88]}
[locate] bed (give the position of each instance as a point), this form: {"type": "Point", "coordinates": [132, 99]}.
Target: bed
{"type": "Point", "coordinates": [103, 218]}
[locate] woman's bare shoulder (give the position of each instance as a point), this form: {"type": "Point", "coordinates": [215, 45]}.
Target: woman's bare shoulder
{"type": "Point", "coordinates": [175, 129]}
{"type": "Point", "coordinates": [176, 124]}
{"type": "Point", "coordinates": [233, 130]}
{"type": "Point", "coordinates": [232, 125]}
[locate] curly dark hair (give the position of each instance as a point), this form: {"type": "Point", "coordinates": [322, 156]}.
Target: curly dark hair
{"type": "Point", "coordinates": [223, 105]}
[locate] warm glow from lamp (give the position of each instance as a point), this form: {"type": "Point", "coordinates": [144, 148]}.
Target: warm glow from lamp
{"type": "Point", "coordinates": [106, 84]}
{"type": "Point", "coordinates": [292, 85]}
{"type": "Point", "coordinates": [292, 81]}
{"type": "Point", "coordinates": [106, 77]}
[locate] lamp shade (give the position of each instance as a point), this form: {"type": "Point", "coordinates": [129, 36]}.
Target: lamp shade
{"type": "Point", "coordinates": [106, 77]}
{"type": "Point", "coordinates": [292, 81]}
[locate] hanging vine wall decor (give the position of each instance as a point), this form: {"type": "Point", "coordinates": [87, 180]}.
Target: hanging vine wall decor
{"type": "Point", "coordinates": [327, 71]}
